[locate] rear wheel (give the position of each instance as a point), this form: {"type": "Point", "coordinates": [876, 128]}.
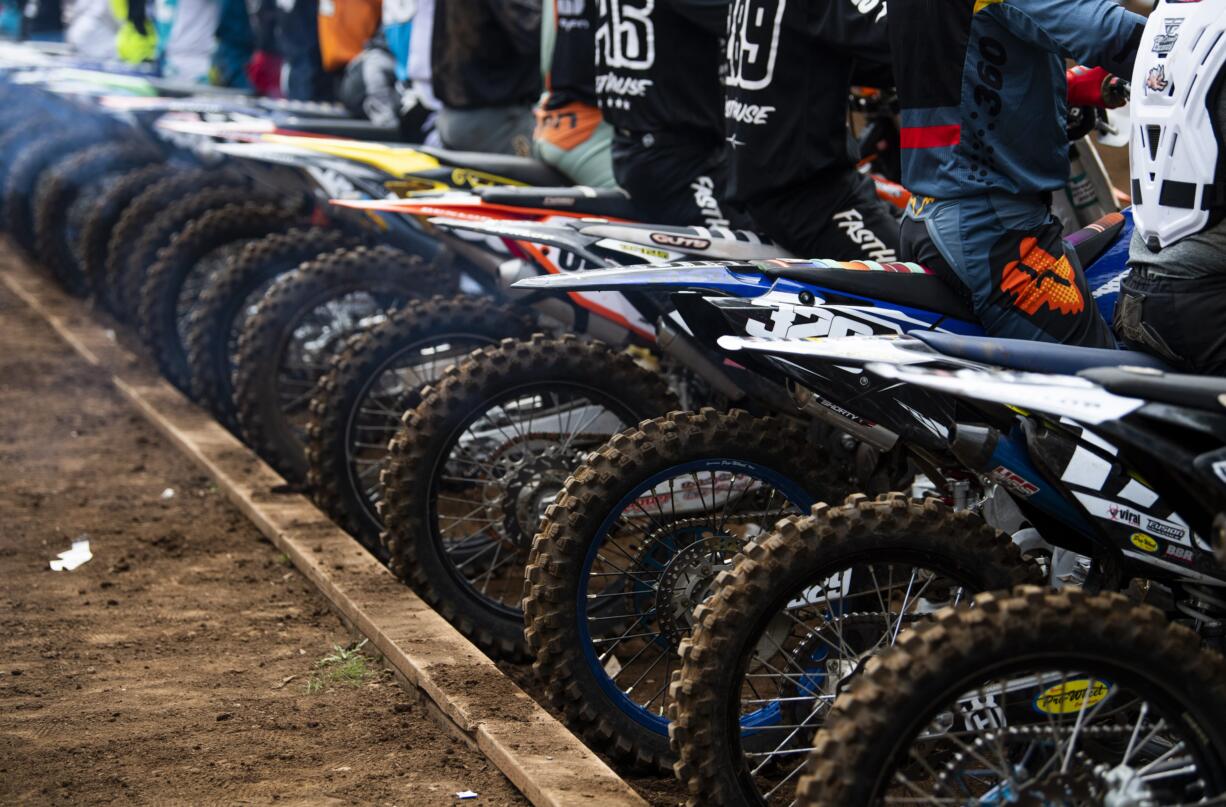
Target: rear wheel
{"type": "Point", "coordinates": [1030, 697]}
{"type": "Point", "coordinates": [473, 467]}
{"type": "Point", "coordinates": [358, 405]}
{"type": "Point", "coordinates": [300, 324]}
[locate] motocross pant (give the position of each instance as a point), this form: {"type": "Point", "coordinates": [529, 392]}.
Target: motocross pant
{"type": "Point", "coordinates": [839, 218]}
{"type": "Point", "coordinates": [1005, 254]}
{"type": "Point", "coordinates": [674, 179]}
{"type": "Point", "coordinates": [1179, 319]}
{"type": "Point", "coordinates": [496, 130]}
{"type": "Point", "coordinates": [575, 140]}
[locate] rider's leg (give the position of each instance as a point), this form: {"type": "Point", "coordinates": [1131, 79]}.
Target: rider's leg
{"type": "Point", "coordinates": [1179, 319]}
{"type": "Point", "coordinates": [839, 218]}
{"type": "Point", "coordinates": [1008, 253]}
{"type": "Point", "coordinates": [576, 141]}
{"type": "Point", "coordinates": [674, 179]}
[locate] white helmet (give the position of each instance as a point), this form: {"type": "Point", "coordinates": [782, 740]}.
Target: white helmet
{"type": "Point", "coordinates": [1178, 178]}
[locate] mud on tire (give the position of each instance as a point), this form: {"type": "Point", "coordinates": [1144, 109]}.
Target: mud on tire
{"type": "Point", "coordinates": [366, 362]}
{"type": "Point", "coordinates": [772, 574]}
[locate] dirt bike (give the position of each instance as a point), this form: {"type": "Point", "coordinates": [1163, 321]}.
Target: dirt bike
{"type": "Point", "coordinates": [1106, 670]}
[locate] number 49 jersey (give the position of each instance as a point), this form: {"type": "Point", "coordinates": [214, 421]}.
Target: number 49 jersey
{"type": "Point", "coordinates": [983, 92]}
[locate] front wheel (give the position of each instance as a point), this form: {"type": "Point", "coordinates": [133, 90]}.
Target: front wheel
{"type": "Point", "coordinates": [1030, 697]}
{"type": "Point", "coordinates": [799, 615]}
{"type": "Point", "coordinates": [637, 539]}
{"type": "Point", "coordinates": [358, 405]}
{"type": "Point", "coordinates": [488, 448]}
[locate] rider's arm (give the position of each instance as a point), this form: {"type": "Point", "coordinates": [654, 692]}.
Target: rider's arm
{"type": "Point", "coordinates": [1098, 33]}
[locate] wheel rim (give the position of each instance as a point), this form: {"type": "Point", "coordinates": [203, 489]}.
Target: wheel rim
{"type": "Point", "coordinates": [500, 470]}
{"type": "Point", "coordinates": [1058, 729]}
{"type": "Point", "coordinates": [808, 645]}
{"type": "Point", "coordinates": [652, 560]}
{"type": "Point", "coordinates": [379, 406]}
{"type": "Point", "coordinates": [311, 342]}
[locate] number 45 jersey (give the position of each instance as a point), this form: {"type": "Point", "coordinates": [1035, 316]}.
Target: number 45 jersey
{"type": "Point", "coordinates": [658, 66]}
{"type": "Point", "coordinates": [983, 92]}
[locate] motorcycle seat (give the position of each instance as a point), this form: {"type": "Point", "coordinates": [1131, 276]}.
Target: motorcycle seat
{"type": "Point", "coordinates": [1033, 357]}
{"type": "Point", "coordinates": [1195, 391]}
{"type": "Point", "coordinates": [596, 202]}
{"type": "Point", "coordinates": [1091, 241]}
{"type": "Point", "coordinates": [901, 283]}
{"type": "Point", "coordinates": [516, 169]}
{"type": "Point", "coordinates": [718, 243]}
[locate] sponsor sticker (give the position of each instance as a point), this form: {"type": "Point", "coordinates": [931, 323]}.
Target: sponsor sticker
{"type": "Point", "coordinates": [1143, 542]}
{"type": "Point", "coordinates": [1123, 515]}
{"type": "Point", "coordinates": [1179, 553]}
{"type": "Point", "coordinates": [1165, 529]}
{"type": "Point", "coordinates": [1070, 697]}
{"type": "Point", "coordinates": [1014, 482]}
{"type": "Point", "coordinates": [682, 241]}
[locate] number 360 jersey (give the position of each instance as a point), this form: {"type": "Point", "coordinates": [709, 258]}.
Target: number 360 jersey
{"type": "Point", "coordinates": [658, 66]}
{"type": "Point", "coordinates": [982, 87]}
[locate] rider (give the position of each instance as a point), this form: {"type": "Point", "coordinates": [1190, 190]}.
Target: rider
{"type": "Point", "coordinates": [789, 70]}
{"type": "Point", "coordinates": [570, 134]}
{"type": "Point", "coordinates": [982, 88]}
{"type": "Point", "coordinates": [658, 83]}
{"type": "Point", "coordinates": [1173, 302]}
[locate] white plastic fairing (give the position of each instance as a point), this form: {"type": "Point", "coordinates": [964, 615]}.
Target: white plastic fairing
{"type": "Point", "coordinates": [1174, 147]}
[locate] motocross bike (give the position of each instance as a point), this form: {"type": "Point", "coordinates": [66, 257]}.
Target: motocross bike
{"type": "Point", "coordinates": [1057, 695]}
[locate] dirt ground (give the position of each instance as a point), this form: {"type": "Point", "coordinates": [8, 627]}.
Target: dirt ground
{"type": "Point", "coordinates": [182, 663]}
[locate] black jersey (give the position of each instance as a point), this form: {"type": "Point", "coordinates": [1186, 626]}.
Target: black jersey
{"type": "Point", "coordinates": [658, 67]}
{"type": "Point", "coordinates": [789, 69]}
{"type": "Point", "coordinates": [572, 70]}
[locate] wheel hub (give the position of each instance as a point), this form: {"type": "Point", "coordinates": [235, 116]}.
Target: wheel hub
{"type": "Point", "coordinates": [686, 581]}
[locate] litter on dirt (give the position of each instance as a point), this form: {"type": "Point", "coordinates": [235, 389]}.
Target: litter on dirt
{"type": "Point", "coordinates": [169, 493]}
{"type": "Point", "coordinates": [70, 559]}
{"type": "Point", "coordinates": [465, 794]}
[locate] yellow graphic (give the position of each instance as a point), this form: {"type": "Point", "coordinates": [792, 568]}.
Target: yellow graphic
{"type": "Point", "coordinates": [980, 5]}
{"type": "Point", "coordinates": [1070, 697]}
{"type": "Point", "coordinates": [397, 161]}
{"type": "Point", "coordinates": [1143, 542]}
